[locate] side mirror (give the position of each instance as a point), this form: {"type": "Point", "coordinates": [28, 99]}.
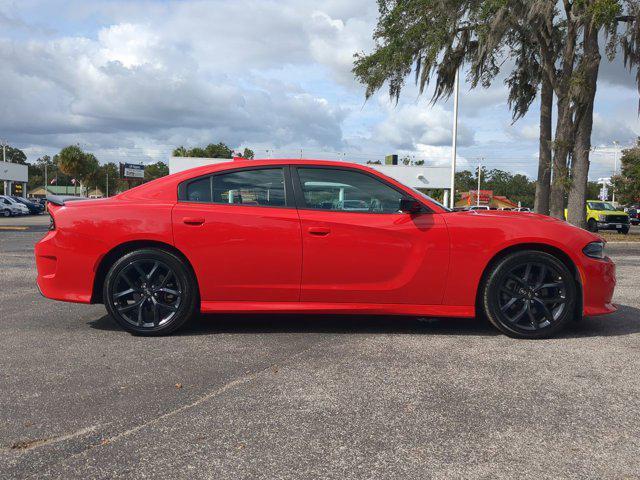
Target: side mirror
{"type": "Point", "coordinates": [410, 206]}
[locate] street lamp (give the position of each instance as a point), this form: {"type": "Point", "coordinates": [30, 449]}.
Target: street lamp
{"type": "Point", "coordinates": [454, 139]}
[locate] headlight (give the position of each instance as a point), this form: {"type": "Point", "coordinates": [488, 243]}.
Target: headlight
{"type": "Point", "coordinates": [52, 223]}
{"type": "Point", "coordinates": [601, 217]}
{"type": "Point", "coordinates": [594, 250]}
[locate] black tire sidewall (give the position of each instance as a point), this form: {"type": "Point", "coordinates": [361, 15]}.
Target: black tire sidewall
{"type": "Point", "coordinates": [494, 281]}
{"type": "Point", "coordinates": [190, 295]}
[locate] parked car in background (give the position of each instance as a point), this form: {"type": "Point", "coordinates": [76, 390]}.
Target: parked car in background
{"type": "Point", "coordinates": [5, 210]}
{"type": "Point", "coordinates": [522, 209]}
{"type": "Point", "coordinates": [17, 208]}
{"type": "Point", "coordinates": [283, 236]}
{"type": "Point", "coordinates": [34, 208]}
{"type": "Point", "coordinates": [632, 211]}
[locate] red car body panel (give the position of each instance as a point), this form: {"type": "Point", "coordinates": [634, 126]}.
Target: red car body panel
{"type": "Point", "coordinates": [256, 259]}
{"type": "Point", "coordinates": [245, 253]}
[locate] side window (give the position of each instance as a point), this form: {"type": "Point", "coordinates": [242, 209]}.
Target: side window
{"type": "Point", "coordinates": [347, 191]}
{"type": "Point", "coordinates": [199, 190]}
{"type": "Point", "coordinates": [260, 187]}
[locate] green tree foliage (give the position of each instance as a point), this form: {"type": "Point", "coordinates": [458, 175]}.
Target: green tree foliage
{"type": "Point", "coordinates": [14, 155]}
{"type": "Point", "coordinates": [516, 187]}
{"type": "Point", "coordinates": [75, 163]}
{"type": "Point", "coordinates": [155, 170]}
{"type": "Point", "coordinates": [247, 153]}
{"type": "Point", "coordinates": [213, 150]}
{"type": "Point", "coordinates": [627, 184]}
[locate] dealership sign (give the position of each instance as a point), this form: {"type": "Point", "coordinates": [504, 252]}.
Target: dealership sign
{"type": "Point", "coordinates": [132, 170]}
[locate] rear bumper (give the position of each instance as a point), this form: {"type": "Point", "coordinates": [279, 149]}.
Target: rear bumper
{"type": "Point", "coordinates": [66, 266]}
{"type": "Point", "coordinates": [598, 284]}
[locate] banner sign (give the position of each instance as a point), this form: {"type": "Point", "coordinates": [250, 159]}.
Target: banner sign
{"type": "Point", "coordinates": [132, 170]}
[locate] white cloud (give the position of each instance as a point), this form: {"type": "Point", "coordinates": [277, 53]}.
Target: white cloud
{"type": "Point", "coordinates": [410, 125]}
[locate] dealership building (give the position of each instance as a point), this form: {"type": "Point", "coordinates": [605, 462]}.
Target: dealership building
{"type": "Point", "coordinates": [14, 177]}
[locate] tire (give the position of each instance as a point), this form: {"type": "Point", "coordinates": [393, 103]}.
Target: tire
{"type": "Point", "coordinates": [624, 230]}
{"type": "Point", "coordinates": [6, 213]}
{"type": "Point", "coordinates": [592, 225]}
{"type": "Point", "coordinates": [529, 294]}
{"type": "Point", "coordinates": [150, 292]}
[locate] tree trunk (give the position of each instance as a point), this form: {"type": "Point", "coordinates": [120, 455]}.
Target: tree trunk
{"type": "Point", "coordinates": [543, 185]}
{"type": "Point", "coordinates": [563, 144]}
{"type": "Point", "coordinates": [576, 213]}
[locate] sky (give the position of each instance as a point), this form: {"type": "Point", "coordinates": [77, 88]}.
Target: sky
{"type": "Point", "coordinates": [129, 81]}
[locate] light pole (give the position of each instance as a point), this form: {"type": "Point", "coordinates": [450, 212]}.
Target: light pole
{"type": "Point", "coordinates": [479, 176]}
{"type": "Point", "coordinates": [454, 139]}
{"type": "Point", "coordinates": [615, 169]}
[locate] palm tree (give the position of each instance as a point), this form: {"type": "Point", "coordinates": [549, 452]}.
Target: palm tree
{"type": "Point", "coordinates": [77, 164]}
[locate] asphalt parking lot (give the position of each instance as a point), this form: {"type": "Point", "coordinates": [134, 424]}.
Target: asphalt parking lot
{"type": "Point", "coordinates": [297, 397]}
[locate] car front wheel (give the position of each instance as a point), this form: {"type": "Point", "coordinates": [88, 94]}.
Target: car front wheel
{"type": "Point", "coordinates": [150, 292]}
{"type": "Point", "coordinates": [529, 294]}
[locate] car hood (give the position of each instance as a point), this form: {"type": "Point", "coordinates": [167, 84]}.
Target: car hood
{"type": "Point", "coordinates": [521, 226]}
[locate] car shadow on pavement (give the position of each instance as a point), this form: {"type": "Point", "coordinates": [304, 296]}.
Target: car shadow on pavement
{"type": "Point", "coordinates": [625, 321]}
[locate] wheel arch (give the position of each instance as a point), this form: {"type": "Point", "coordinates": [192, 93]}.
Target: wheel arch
{"type": "Point", "coordinates": [542, 247]}
{"type": "Point", "coordinates": [118, 251]}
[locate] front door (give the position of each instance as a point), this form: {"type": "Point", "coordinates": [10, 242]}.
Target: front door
{"type": "Point", "coordinates": [242, 235]}
{"type": "Point", "coordinates": [358, 247]}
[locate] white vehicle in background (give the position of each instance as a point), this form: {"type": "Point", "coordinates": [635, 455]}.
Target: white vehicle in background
{"type": "Point", "coordinates": [522, 209]}
{"type": "Point", "coordinates": [15, 208]}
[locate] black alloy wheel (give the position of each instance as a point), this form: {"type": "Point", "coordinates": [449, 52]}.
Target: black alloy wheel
{"type": "Point", "coordinates": [530, 294]}
{"type": "Point", "coordinates": [150, 292]}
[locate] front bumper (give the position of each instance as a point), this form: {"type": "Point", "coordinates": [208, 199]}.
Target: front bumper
{"type": "Point", "coordinates": [598, 284]}
{"type": "Point", "coordinates": [612, 225]}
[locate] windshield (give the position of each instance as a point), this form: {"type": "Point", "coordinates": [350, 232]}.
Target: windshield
{"type": "Point", "coordinates": [601, 206]}
{"type": "Point", "coordinates": [424, 195]}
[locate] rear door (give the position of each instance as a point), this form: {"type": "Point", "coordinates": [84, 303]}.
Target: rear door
{"type": "Point", "coordinates": [241, 232]}
{"type": "Point", "coordinates": [358, 247]}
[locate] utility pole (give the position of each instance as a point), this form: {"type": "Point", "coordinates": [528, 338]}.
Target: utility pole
{"type": "Point", "coordinates": [4, 150]}
{"type": "Point", "coordinates": [454, 140]}
{"type": "Point", "coordinates": [615, 169]}
{"type": "Point", "coordinates": [107, 169]}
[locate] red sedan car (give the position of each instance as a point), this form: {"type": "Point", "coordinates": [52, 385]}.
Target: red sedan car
{"type": "Point", "coordinates": [306, 236]}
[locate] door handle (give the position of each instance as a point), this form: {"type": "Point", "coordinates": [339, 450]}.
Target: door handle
{"type": "Point", "coordinates": [319, 231]}
{"type": "Point", "coordinates": [193, 220]}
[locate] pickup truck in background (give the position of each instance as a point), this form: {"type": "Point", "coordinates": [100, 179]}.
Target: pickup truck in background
{"type": "Point", "coordinates": [605, 216]}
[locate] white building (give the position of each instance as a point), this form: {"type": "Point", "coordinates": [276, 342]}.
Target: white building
{"type": "Point", "coordinates": [11, 173]}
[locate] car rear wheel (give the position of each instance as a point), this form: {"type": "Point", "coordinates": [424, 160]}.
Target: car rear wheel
{"type": "Point", "coordinates": [529, 294]}
{"type": "Point", "coordinates": [150, 292]}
